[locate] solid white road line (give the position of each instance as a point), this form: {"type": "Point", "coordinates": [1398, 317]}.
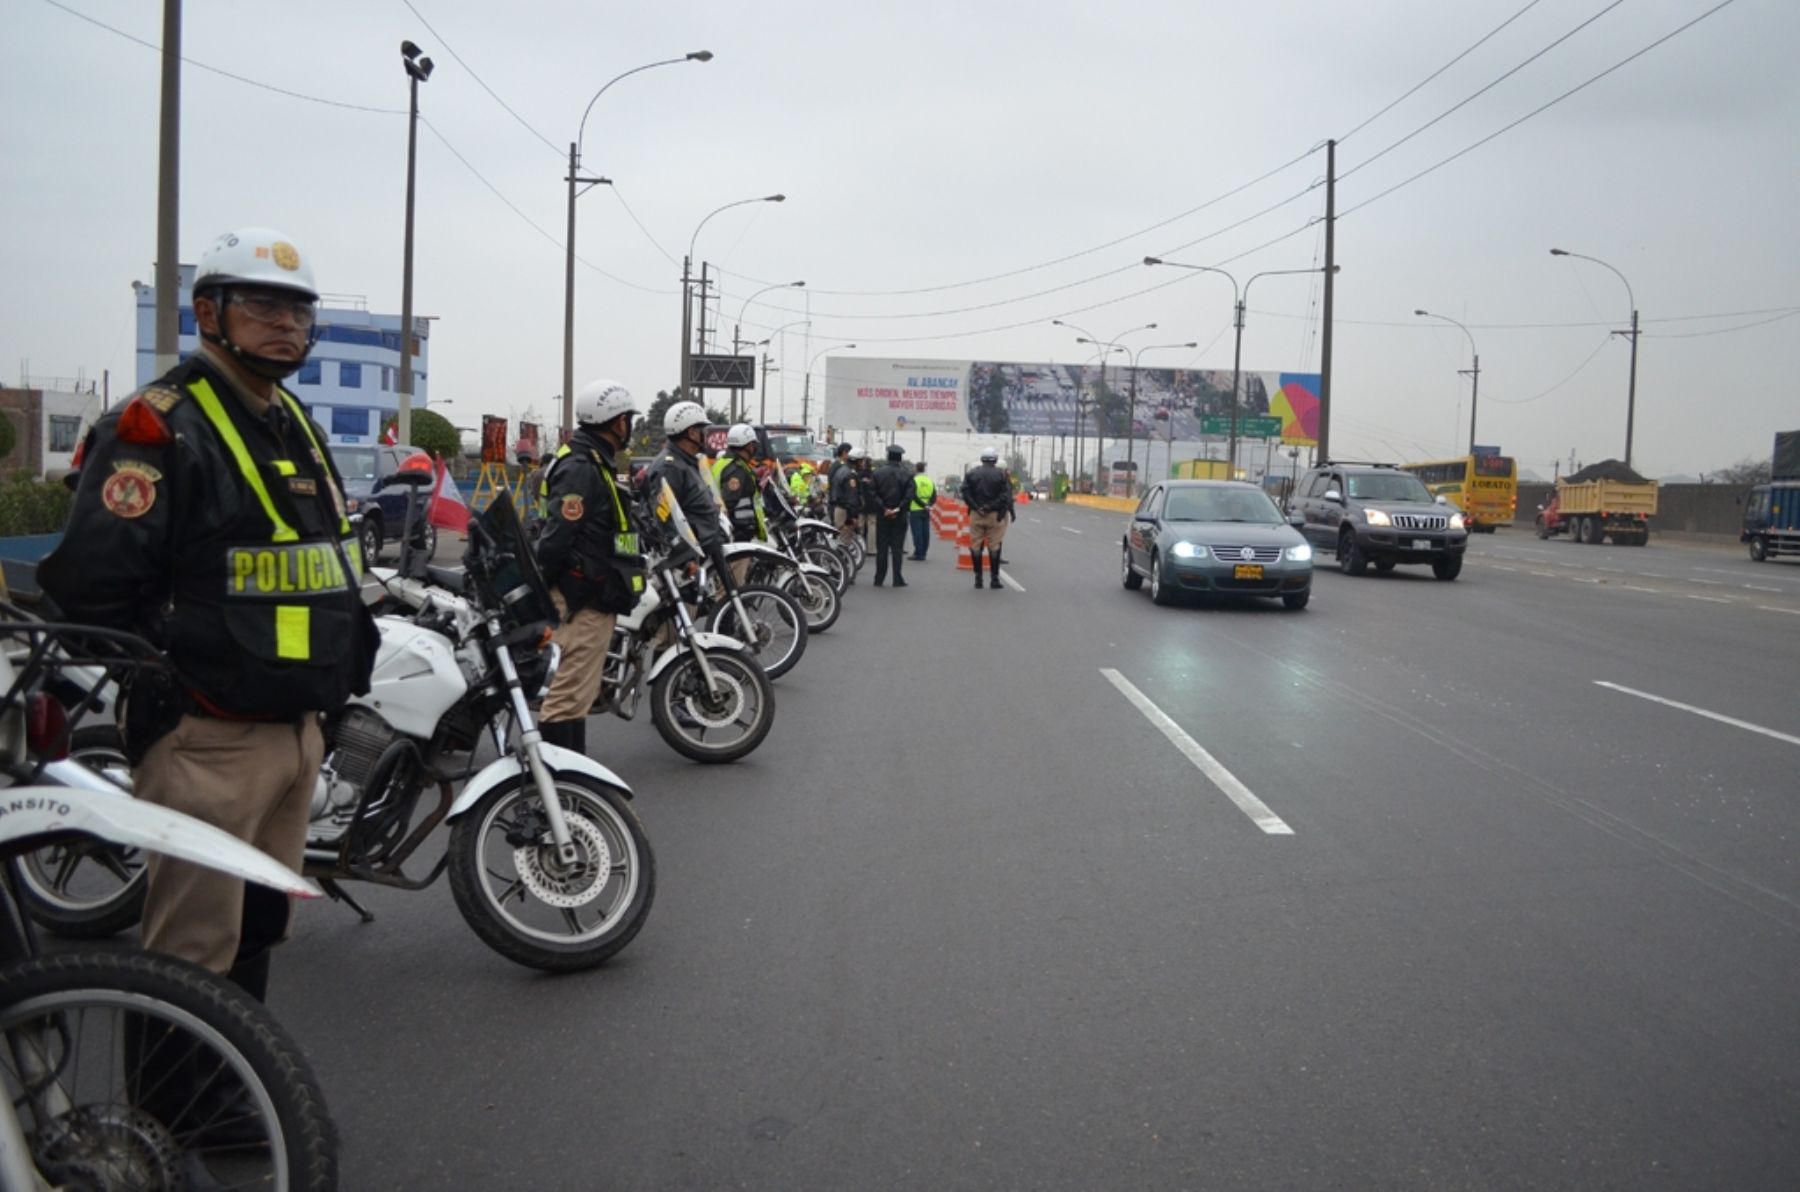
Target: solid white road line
{"type": "Point", "coordinates": [1224, 779]}
{"type": "Point", "coordinates": [1070, 529]}
{"type": "Point", "coordinates": [1007, 579]}
{"type": "Point", "coordinates": [1712, 599]}
{"type": "Point", "coordinates": [1770, 608]}
{"type": "Point", "coordinates": [1635, 588]}
{"type": "Point", "coordinates": [1722, 719]}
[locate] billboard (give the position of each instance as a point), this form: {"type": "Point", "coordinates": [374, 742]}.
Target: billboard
{"type": "Point", "coordinates": [1006, 397]}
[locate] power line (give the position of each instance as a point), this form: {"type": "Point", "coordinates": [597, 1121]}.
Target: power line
{"type": "Point", "coordinates": [1440, 70]}
{"type": "Point", "coordinates": [1724, 330]}
{"type": "Point", "coordinates": [441, 40]}
{"type": "Point", "coordinates": [150, 45]}
{"type": "Point", "coordinates": [619, 195]}
{"type": "Point", "coordinates": [1579, 369]}
{"type": "Point", "coordinates": [1415, 325]}
{"type": "Point", "coordinates": [1478, 94]}
{"type": "Point", "coordinates": [1538, 110]}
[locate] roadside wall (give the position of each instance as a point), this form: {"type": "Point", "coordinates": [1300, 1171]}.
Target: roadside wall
{"type": "Point", "coordinates": [1680, 508]}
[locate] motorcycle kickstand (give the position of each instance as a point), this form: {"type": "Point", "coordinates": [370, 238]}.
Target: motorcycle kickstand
{"type": "Point", "coordinates": [337, 893]}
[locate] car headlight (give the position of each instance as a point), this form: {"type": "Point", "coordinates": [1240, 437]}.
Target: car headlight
{"type": "Point", "coordinates": [352, 505]}
{"type": "Point", "coordinates": [1456, 521]}
{"type": "Point", "coordinates": [1188, 550]}
{"type": "Point", "coordinates": [1300, 554]}
{"type": "Point", "coordinates": [1376, 517]}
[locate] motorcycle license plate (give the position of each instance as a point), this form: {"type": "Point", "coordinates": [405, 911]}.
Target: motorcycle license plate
{"type": "Point", "coordinates": [1421, 544]}
{"type": "Point", "coordinates": [1247, 571]}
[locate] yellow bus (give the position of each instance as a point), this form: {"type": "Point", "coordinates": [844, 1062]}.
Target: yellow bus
{"type": "Point", "coordinates": [1484, 487]}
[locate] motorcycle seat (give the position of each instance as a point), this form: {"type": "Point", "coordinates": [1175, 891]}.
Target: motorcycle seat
{"type": "Point", "coordinates": [452, 578]}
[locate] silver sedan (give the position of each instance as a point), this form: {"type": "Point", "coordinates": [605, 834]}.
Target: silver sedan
{"type": "Point", "coordinates": [1215, 536]}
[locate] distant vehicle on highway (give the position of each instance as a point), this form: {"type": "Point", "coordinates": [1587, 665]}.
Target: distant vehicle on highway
{"type": "Point", "coordinates": [383, 510]}
{"type": "Point", "coordinates": [1214, 536]}
{"type": "Point", "coordinates": [1772, 510]}
{"type": "Point", "coordinates": [1484, 487]}
{"type": "Point", "coordinates": [1376, 514]}
{"type": "Point", "coordinates": [1605, 500]}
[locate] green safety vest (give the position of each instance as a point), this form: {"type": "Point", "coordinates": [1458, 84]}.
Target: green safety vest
{"type": "Point", "coordinates": [923, 491]}
{"type": "Point", "coordinates": [724, 461]}
{"type": "Point", "coordinates": [295, 572]}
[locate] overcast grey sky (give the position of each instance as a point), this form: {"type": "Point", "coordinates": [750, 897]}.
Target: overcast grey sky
{"type": "Point", "coordinates": [926, 144]}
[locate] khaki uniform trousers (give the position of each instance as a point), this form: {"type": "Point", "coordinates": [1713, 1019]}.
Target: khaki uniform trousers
{"type": "Point", "coordinates": [987, 529]}
{"type": "Point", "coordinates": [840, 517]}
{"type": "Point", "coordinates": [252, 780]}
{"type": "Point", "coordinates": [584, 639]}
{"type": "Point", "coordinates": [740, 571]}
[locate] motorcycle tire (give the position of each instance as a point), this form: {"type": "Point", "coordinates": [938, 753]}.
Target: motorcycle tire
{"type": "Point", "coordinates": [777, 637]}
{"type": "Point", "coordinates": [817, 599]}
{"type": "Point", "coordinates": [514, 897]}
{"type": "Point", "coordinates": [835, 564]}
{"type": "Point", "coordinates": [59, 1009]}
{"type": "Point", "coordinates": [682, 714]}
{"type": "Point", "coordinates": [86, 889]}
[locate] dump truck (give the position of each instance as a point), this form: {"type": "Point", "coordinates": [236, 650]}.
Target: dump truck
{"type": "Point", "coordinates": [1605, 500]}
{"type": "Point", "coordinates": [1772, 510]}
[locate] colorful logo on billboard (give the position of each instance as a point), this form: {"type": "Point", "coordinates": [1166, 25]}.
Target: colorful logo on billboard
{"type": "Point", "coordinates": [1296, 401]}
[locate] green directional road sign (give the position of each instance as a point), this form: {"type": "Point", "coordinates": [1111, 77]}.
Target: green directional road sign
{"type": "Point", "coordinates": [1250, 427]}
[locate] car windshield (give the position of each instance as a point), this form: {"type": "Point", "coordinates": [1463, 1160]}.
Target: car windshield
{"type": "Point", "coordinates": [1389, 486]}
{"type": "Point", "coordinates": [354, 463]}
{"type": "Point", "coordinates": [1220, 505]}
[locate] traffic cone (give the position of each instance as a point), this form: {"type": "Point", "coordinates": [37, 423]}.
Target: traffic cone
{"type": "Point", "coordinates": [955, 518]}
{"type": "Point", "coordinates": [965, 550]}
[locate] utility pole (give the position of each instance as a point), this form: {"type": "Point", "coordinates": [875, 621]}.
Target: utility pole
{"type": "Point", "coordinates": [1324, 450]}
{"type": "Point", "coordinates": [763, 408]}
{"type": "Point", "coordinates": [687, 323]}
{"type": "Point", "coordinates": [1237, 365]}
{"type": "Point", "coordinates": [1475, 394]}
{"type": "Point", "coordinates": [1631, 391]}
{"type": "Point", "coordinates": [168, 197]}
{"type": "Point", "coordinates": [417, 71]}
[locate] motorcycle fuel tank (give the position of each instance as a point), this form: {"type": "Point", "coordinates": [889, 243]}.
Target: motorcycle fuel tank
{"type": "Point", "coordinates": [416, 678]}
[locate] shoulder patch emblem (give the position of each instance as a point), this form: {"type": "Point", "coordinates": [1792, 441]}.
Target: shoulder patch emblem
{"type": "Point", "coordinates": [137, 465]}
{"type": "Point", "coordinates": [128, 493]}
{"type": "Point", "coordinates": [572, 507]}
{"type": "Point", "coordinates": [161, 400]}
{"type": "Point", "coordinates": [735, 483]}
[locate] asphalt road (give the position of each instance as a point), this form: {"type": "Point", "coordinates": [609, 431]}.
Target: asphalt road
{"type": "Point", "coordinates": [973, 918]}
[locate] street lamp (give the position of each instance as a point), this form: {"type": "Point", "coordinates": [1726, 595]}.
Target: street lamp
{"type": "Point", "coordinates": [1131, 429]}
{"type": "Point", "coordinates": [737, 341]}
{"type": "Point", "coordinates": [568, 415]}
{"type": "Point", "coordinates": [781, 399]}
{"type": "Point", "coordinates": [418, 69]}
{"type": "Point", "coordinates": [1099, 417]}
{"type": "Point", "coordinates": [687, 301]}
{"type": "Point", "coordinates": [1239, 300]}
{"type": "Point", "coordinates": [806, 391]}
{"type": "Point", "coordinates": [1474, 371]}
{"type": "Point", "coordinates": [1631, 391]}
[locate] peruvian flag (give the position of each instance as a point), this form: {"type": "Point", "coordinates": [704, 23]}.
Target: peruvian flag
{"type": "Point", "coordinates": [448, 509]}
{"type": "Point", "coordinates": [390, 434]}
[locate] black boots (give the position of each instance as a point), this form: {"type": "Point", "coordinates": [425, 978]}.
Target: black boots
{"type": "Point", "coordinates": [975, 555]}
{"type": "Point", "coordinates": [570, 734]}
{"type": "Point", "coordinates": [994, 570]}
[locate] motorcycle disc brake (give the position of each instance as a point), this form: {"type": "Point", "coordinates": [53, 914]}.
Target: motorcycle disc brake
{"type": "Point", "coordinates": [716, 713]}
{"type": "Point", "coordinates": [566, 886]}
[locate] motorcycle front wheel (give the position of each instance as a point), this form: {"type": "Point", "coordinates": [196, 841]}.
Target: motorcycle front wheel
{"type": "Point", "coordinates": [713, 726]}
{"type": "Point", "coordinates": [776, 634]}
{"type": "Point", "coordinates": [533, 908]}
{"type": "Point", "coordinates": [85, 888]}
{"type": "Point", "coordinates": [817, 599]}
{"type": "Point", "coordinates": [835, 563]}
{"type": "Point", "coordinates": [134, 1070]}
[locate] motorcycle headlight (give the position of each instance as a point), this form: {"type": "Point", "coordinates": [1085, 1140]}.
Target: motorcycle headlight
{"type": "Point", "coordinates": [1188, 550]}
{"type": "Point", "coordinates": [1300, 554]}
{"type": "Point", "coordinates": [1376, 517]}
{"type": "Point", "coordinates": [1456, 521]}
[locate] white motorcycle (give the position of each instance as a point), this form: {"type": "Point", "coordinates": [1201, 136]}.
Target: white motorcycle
{"type": "Point", "coordinates": [123, 1069]}
{"type": "Point", "coordinates": [548, 862]}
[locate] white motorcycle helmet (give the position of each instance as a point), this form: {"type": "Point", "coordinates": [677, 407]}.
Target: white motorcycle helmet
{"type": "Point", "coordinates": [682, 417]}
{"type": "Point", "coordinates": [857, 455]}
{"type": "Point", "coordinates": [741, 435]}
{"type": "Point", "coordinates": [265, 259]}
{"type": "Point", "coordinates": [601, 401]}
{"type": "Point", "coordinates": [990, 456]}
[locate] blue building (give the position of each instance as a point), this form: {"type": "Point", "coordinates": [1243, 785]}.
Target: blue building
{"type": "Point", "coordinates": [348, 382]}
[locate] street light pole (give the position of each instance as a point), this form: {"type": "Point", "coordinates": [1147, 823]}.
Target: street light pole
{"type": "Point", "coordinates": [737, 330]}
{"type": "Point", "coordinates": [1107, 348]}
{"type": "Point", "coordinates": [568, 402]}
{"type": "Point", "coordinates": [1474, 371]}
{"type": "Point", "coordinates": [806, 390]}
{"type": "Point", "coordinates": [687, 300]}
{"type": "Point", "coordinates": [1631, 389]}
{"type": "Point", "coordinates": [418, 69]}
{"type": "Point", "coordinates": [1131, 429]}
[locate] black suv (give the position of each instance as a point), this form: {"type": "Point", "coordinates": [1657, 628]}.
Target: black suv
{"type": "Point", "coordinates": [381, 511]}
{"type": "Point", "coordinates": [1377, 514]}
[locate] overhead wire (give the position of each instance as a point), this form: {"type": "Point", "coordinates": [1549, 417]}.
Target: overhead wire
{"type": "Point", "coordinates": [1539, 110]}
{"type": "Point", "coordinates": [1440, 70]}
{"type": "Point", "coordinates": [479, 81]}
{"type": "Point", "coordinates": [1579, 369]}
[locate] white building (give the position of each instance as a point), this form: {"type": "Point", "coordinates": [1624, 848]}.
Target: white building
{"type": "Point", "coordinates": [48, 423]}
{"type": "Point", "coordinates": [348, 382]}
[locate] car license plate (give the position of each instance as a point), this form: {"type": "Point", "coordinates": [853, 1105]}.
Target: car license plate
{"type": "Point", "coordinates": [1421, 544]}
{"type": "Point", "coordinates": [1247, 571]}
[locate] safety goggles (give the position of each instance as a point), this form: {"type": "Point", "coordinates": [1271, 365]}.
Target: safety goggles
{"type": "Point", "coordinates": [269, 309]}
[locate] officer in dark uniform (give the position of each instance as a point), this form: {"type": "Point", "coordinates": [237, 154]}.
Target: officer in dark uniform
{"type": "Point", "coordinates": [210, 519]}
{"type": "Point", "coordinates": [740, 492]}
{"type": "Point", "coordinates": [588, 555]}
{"type": "Point", "coordinates": [892, 488]}
{"type": "Point", "coordinates": [679, 464]}
{"type": "Point", "coordinates": [988, 494]}
{"type": "Point", "coordinates": [846, 502]}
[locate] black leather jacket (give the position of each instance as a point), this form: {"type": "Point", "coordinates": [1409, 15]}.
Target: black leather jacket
{"type": "Point", "coordinates": [987, 490]}
{"type": "Point", "coordinates": [581, 516]}
{"type": "Point", "coordinates": [893, 486]}
{"type": "Point", "coordinates": [682, 471]}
